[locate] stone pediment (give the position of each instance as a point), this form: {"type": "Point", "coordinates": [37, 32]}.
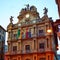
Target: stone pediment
{"type": "Point", "coordinates": [28, 13]}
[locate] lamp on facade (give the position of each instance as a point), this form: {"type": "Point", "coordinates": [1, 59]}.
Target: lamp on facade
{"type": "Point", "coordinates": [49, 31]}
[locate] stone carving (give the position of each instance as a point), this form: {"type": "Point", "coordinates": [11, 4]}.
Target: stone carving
{"type": "Point", "coordinates": [27, 6]}
{"type": "Point", "coordinates": [11, 19]}
{"type": "Point", "coordinates": [33, 8]}
{"type": "Point", "coordinates": [45, 11]}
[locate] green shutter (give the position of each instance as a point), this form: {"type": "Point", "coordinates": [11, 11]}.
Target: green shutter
{"type": "Point", "coordinates": [18, 33]}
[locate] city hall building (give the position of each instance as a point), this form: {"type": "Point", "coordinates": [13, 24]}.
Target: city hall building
{"type": "Point", "coordinates": [32, 37]}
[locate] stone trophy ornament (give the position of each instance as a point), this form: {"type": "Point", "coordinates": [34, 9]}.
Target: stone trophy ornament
{"type": "Point", "coordinates": [27, 7]}
{"type": "Point", "coordinates": [11, 19]}
{"type": "Point", "coordinates": [45, 11]}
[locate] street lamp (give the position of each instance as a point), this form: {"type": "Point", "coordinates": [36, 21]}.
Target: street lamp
{"type": "Point", "coordinates": [49, 31]}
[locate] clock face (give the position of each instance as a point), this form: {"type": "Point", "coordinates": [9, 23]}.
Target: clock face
{"type": "Point", "coordinates": [19, 24]}
{"type": "Point", "coordinates": [27, 15]}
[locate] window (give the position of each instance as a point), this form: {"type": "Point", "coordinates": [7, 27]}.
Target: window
{"type": "Point", "coordinates": [3, 32]}
{"type": "Point", "coordinates": [47, 43]}
{"type": "Point", "coordinates": [41, 45]}
{"type": "Point", "coordinates": [41, 32]}
{"type": "Point", "coordinates": [15, 36]}
{"type": "Point", "coordinates": [3, 38]}
{"type": "Point", "coordinates": [27, 48]}
{"type": "Point", "coordinates": [0, 30]}
{"type": "Point", "coordinates": [14, 48]}
{"type": "Point", "coordinates": [0, 36]}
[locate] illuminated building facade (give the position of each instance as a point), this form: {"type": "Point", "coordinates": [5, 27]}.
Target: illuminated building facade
{"type": "Point", "coordinates": [2, 42]}
{"type": "Point", "coordinates": [32, 37]}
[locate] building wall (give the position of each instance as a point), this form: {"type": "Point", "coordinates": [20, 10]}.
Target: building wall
{"type": "Point", "coordinates": [2, 42]}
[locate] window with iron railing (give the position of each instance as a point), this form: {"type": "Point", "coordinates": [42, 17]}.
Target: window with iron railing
{"type": "Point", "coordinates": [41, 45]}
{"type": "Point", "coordinates": [0, 36]}
{"type": "Point", "coordinates": [14, 48]}
{"type": "Point", "coordinates": [27, 48]}
{"type": "Point", "coordinates": [41, 33]}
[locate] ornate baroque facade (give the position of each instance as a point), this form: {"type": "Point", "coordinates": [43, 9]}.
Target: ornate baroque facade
{"type": "Point", "coordinates": [32, 37]}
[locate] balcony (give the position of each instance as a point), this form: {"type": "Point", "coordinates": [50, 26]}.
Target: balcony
{"type": "Point", "coordinates": [25, 52]}
{"type": "Point", "coordinates": [29, 35]}
{"type": "Point", "coordinates": [12, 52]}
{"type": "Point", "coordinates": [41, 50]}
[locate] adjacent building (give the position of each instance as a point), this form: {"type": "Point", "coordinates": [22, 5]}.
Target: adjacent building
{"type": "Point", "coordinates": [2, 42]}
{"type": "Point", "coordinates": [32, 37]}
{"type": "Point", "coordinates": [6, 48]}
{"type": "Point", "coordinates": [58, 56]}
{"type": "Point", "coordinates": [57, 22]}
{"type": "Point", "coordinates": [58, 5]}
{"type": "Point", "coordinates": [57, 27]}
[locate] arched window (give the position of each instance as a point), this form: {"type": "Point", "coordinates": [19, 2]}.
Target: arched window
{"type": "Point", "coordinates": [27, 48]}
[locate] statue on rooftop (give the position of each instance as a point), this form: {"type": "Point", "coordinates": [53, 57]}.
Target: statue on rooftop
{"type": "Point", "coordinates": [11, 19]}
{"type": "Point", "coordinates": [27, 6]}
{"type": "Point", "coordinates": [45, 11]}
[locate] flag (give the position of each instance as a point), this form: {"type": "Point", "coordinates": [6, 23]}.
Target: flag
{"type": "Point", "coordinates": [23, 35]}
{"type": "Point", "coordinates": [26, 34]}
{"type": "Point", "coordinates": [29, 33]}
{"type": "Point", "coordinates": [18, 33]}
